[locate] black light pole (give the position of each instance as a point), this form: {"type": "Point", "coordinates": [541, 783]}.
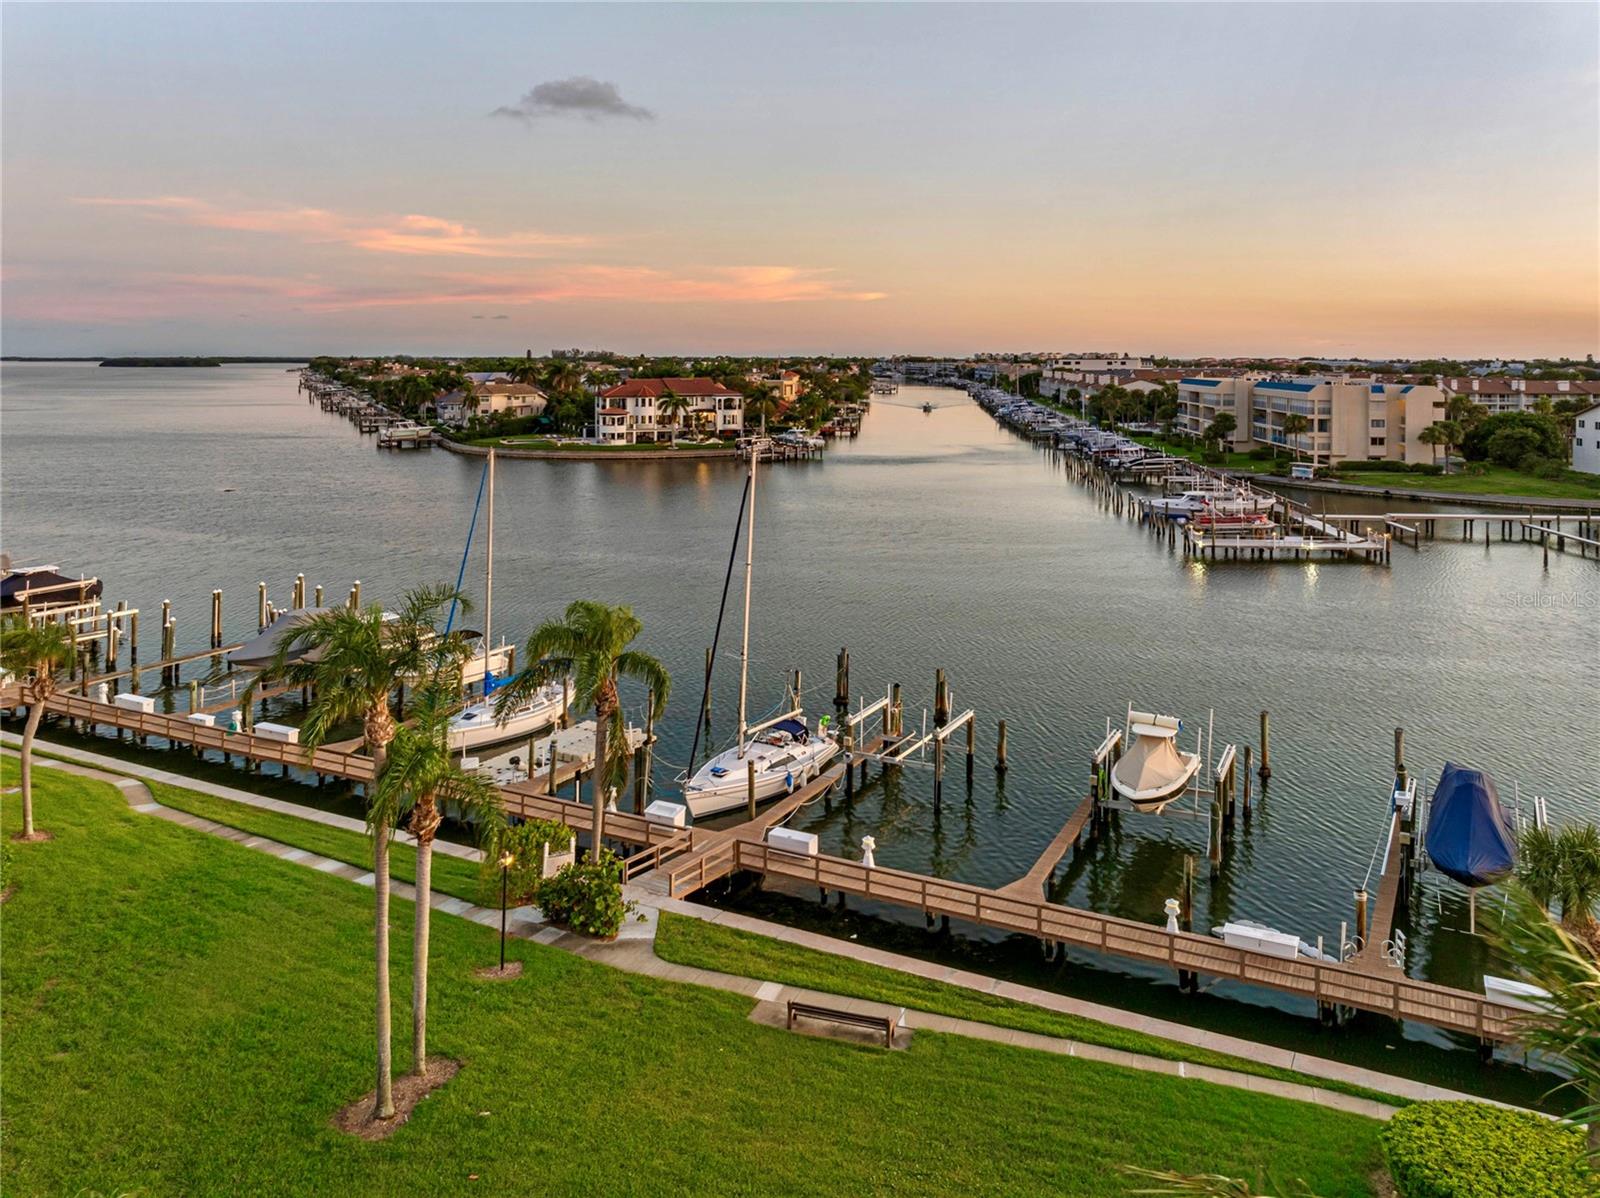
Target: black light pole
{"type": "Point", "coordinates": [506, 863]}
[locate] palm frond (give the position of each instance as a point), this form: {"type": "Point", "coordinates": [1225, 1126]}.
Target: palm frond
{"type": "Point", "coordinates": [641, 667]}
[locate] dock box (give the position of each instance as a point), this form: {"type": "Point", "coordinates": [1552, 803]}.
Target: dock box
{"type": "Point", "coordinates": [203, 718]}
{"type": "Point", "coordinates": [674, 815]}
{"type": "Point", "coordinates": [790, 841]}
{"type": "Point", "coordinates": [284, 732]}
{"type": "Point", "coordinates": [1262, 940]}
{"type": "Point", "coordinates": [133, 702]}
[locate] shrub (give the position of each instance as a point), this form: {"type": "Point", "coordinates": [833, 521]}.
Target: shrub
{"type": "Point", "coordinates": [586, 896]}
{"type": "Point", "coordinates": [1263, 453]}
{"type": "Point", "coordinates": [1363, 464]}
{"type": "Point", "coordinates": [524, 842]}
{"type": "Point", "coordinates": [1506, 437]}
{"type": "Point", "coordinates": [1468, 1149]}
{"type": "Point", "coordinates": [1425, 468]}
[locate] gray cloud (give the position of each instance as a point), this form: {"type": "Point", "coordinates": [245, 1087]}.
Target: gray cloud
{"type": "Point", "coordinates": [578, 96]}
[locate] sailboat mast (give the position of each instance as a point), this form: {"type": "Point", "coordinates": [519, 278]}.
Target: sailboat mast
{"type": "Point", "coordinates": [488, 585]}
{"type": "Point", "coordinates": [749, 563]}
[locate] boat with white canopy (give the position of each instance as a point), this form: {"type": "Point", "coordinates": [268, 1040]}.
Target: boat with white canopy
{"type": "Point", "coordinates": [1154, 771]}
{"type": "Point", "coordinates": [478, 725]}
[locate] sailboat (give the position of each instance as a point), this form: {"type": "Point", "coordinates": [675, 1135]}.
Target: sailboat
{"type": "Point", "coordinates": [1154, 771]}
{"type": "Point", "coordinates": [783, 752]}
{"type": "Point", "coordinates": [478, 724]}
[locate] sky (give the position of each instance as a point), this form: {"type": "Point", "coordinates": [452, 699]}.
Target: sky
{"type": "Point", "coordinates": [1305, 179]}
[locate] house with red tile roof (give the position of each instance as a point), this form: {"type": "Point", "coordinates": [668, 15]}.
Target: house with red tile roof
{"type": "Point", "coordinates": [631, 412]}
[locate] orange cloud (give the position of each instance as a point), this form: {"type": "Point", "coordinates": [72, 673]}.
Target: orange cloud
{"type": "Point", "coordinates": [409, 234]}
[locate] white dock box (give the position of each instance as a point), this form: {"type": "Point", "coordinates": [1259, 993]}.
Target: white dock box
{"type": "Point", "coordinates": [284, 732]}
{"type": "Point", "coordinates": [674, 815]}
{"type": "Point", "coordinates": [790, 841]}
{"type": "Point", "coordinates": [204, 718]}
{"type": "Point", "coordinates": [133, 702]}
{"type": "Point", "coordinates": [1260, 939]}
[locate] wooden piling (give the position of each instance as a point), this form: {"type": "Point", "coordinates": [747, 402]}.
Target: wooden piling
{"type": "Point", "coordinates": [750, 788]}
{"type": "Point", "coordinates": [317, 602]}
{"type": "Point", "coordinates": [1249, 754]}
{"type": "Point", "coordinates": [216, 618]}
{"type": "Point", "coordinates": [261, 606]}
{"type": "Point", "coordinates": [1400, 756]}
{"type": "Point", "coordinates": [299, 599]}
{"type": "Point", "coordinates": [941, 700]}
{"type": "Point", "coordinates": [841, 683]}
{"type": "Point", "coordinates": [133, 637]}
{"type": "Point", "coordinates": [972, 743]}
{"type": "Point", "coordinates": [355, 595]}
{"type": "Point", "coordinates": [898, 711]}
{"type": "Point", "coordinates": [1361, 918]}
{"type": "Point", "coordinates": [1000, 748]}
{"type": "Point", "coordinates": [1266, 747]}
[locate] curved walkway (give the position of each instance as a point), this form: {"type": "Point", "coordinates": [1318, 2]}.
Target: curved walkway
{"type": "Point", "coordinates": [634, 952]}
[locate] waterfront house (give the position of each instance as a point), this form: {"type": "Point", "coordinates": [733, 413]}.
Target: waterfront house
{"type": "Point", "coordinates": [630, 412]}
{"type": "Point", "coordinates": [508, 399]}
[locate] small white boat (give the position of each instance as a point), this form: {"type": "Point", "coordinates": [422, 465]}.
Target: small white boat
{"type": "Point", "coordinates": [1153, 771]}
{"type": "Point", "coordinates": [1520, 996]}
{"type": "Point", "coordinates": [1258, 937]}
{"type": "Point", "coordinates": [479, 725]}
{"type": "Point", "coordinates": [786, 756]}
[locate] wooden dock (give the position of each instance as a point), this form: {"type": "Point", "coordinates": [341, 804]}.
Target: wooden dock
{"type": "Point", "coordinates": [1037, 880]}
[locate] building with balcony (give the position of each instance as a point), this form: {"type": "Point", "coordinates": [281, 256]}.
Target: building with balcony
{"type": "Point", "coordinates": [1586, 440]}
{"type": "Point", "coordinates": [1347, 419]}
{"type": "Point", "coordinates": [633, 411]}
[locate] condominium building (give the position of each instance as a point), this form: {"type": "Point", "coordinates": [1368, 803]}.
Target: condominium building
{"type": "Point", "coordinates": [1517, 394]}
{"type": "Point", "coordinates": [1586, 440]}
{"type": "Point", "coordinates": [632, 411]}
{"type": "Point", "coordinates": [1347, 418]}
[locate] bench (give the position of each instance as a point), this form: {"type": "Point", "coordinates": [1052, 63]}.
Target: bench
{"type": "Point", "coordinates": [877, 1022]}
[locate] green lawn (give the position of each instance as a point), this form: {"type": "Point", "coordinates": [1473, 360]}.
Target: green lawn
{"type": "Point", "coordinates": [1495, 480]}
{"type": "Point", "coordinates": [451, 875]}
{"type": "Point", "coordinates": [182, 1015]}
{"type": "Point", "coordinates": [688, 941]}
{"type": "Point", "coordinates": [1232, 461]}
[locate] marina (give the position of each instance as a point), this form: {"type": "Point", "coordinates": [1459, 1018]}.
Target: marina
{"type": "Point", "coordinates": [991, 830]}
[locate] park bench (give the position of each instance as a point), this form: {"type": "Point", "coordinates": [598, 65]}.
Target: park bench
{"type": "Point", "coordinates": [807, 1010]}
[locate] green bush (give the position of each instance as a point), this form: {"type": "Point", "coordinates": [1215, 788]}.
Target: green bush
{"type": "Point", "coordinates": [586, 896]}
{"type": "Point", "coordinates": [1362, 464]}
{"type": "Point", "coordinates": [1468, 1150]}
{"type": "Point", "coordinates": [1425, 468]}
{"type": "Point", "coordinates": [1263, 453]}
{"type": "Point", "coordinates": [523, 841]}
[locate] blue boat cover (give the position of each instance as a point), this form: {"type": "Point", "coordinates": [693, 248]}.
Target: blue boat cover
{"type": "Point", "coordinates": [793, 727]}
{"type": "Point", "coordinates": [1468, 838]}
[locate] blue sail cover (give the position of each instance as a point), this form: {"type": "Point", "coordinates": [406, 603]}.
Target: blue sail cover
{"type": "Point", "coordinates": [1468, 838]}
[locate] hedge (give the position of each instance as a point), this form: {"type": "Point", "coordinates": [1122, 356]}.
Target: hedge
{"type": "Point", "coordinates": [1470, 1150]}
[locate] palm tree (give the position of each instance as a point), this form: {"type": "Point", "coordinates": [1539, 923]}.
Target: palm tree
{"type": "Point", "coordinates": [1433, 435]}
{"type": "Point", "coordinates": [423, 780]}
{"type": "Point", "coordinates": [1563, 868]}
{"type": "Point", "coordinates": [1568, 1025]}
{"type": "Point", "coordinates": [760, 402]}
{"type": "Point", "coordinates": [1451, 431]}
{"type": "Point", "coordinates": [590, 642]}
{"type": "Point", "coordinates": [1294, 425]}
{"type": "Point", "coordinates": [34, 654]}
{"type": "Point", "coordinates": [353, 659]}
{"type": "Point", "coordinates": [674, 406]}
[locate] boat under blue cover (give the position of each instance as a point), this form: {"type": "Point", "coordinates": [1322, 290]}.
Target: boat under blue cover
{"type": "Point", "coordinates": [1468, 837]}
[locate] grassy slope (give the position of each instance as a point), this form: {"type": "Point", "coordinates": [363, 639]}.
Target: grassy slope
{"type": "Point", "coordinates": [689, 941]}
{"type": "Point", "coordinates": [183, 1015]}
{"type": "Point", "coordinates": [450, 874]}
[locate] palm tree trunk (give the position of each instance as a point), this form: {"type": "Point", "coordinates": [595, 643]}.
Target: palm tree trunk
{"type": "Point", "coordinates": [384, 1107]}
{"type": "Point", "coordinates": [29, 731]}
{"type": "Point", "coordinates": [419, 956]}
{"type": "Point", "coordinates": [602, 722]}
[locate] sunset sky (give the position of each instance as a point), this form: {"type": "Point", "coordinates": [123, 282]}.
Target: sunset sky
{"type": "Point", "coordinates": [1337, 179]}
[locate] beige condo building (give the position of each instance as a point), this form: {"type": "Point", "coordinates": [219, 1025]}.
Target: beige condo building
{"type": "Point", "coordinates": [1350, 419]}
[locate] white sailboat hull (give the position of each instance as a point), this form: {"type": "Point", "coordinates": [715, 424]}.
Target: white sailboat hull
{"type": "Point", "coordinates": [477, 725]}
{"type": "Point", "coordinates": [779, 771]}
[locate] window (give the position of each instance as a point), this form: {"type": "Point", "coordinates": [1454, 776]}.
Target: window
{"type": "Point", "coordinates": [1377, 424]}
{"type": "Point", "coordinates": [1375, 442]}
{"type": "Point", "coordinates": [1578, 441]}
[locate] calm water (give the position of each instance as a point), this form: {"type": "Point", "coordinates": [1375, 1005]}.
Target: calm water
{"type": "Point", "coordinates": [933, 540]}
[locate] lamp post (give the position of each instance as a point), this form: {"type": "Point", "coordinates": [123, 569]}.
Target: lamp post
{"type": "Point", "coordinates": [506, 862]}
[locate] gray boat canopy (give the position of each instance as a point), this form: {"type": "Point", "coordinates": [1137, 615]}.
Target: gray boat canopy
{"type": "Point", "coordinates": [257, 653]}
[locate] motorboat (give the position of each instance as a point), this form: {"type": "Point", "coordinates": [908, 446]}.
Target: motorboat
{"type": "Point", "coordinates": [1153, 771]}
{"type": "Point", "coordinates": [1468, 837]}
{"type": "Point", "coordinates": [480, 725]}
{"type": "Point", "coordinates": [786, 755]}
